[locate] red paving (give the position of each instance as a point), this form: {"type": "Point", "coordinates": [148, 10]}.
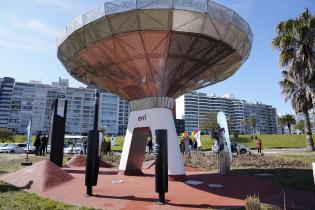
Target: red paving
{"type": "Point", "coordinates": [138, 192]}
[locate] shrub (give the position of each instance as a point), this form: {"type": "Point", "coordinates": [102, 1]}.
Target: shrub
{"type": "Point", "coordinates": [253, 203]}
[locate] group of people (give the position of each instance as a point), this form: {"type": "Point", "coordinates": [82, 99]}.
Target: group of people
{"type": "Point", "coordinates": [40, 143]}
{"type": "Point", "coordinates": [192, 146]}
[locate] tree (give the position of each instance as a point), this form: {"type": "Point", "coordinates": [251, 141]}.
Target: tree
{"type": "Point", "coordinates": [301, 102]}
{"type": "Point", "coordinates": [300, 125]}
{"type": "Point", "coordinates": [252, 124]}
{"type": "Point", "coordinates": [6, 135]}
{"type": "Point", "coordinates": [245, 124]}
{"type": "Point", "coordinates": [282, 124]}
{"type": "Point", "coordinates": [210, 123]}
{"type": "Point", "coordinates": [295, 40]}
{"type": "Point", "coordinates": [289, 119]}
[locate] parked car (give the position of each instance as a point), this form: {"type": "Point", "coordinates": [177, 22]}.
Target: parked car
{"type": "Point", "coordinates": [31, 150]}
{"type": "Point", "coordinates": [74, 149]}
{"type": "Point", "coordinates": [13, 148]}
{"type": "Point", "coordinates": [3, 145]}
{"type": "Point", "coordinates": [235, 147]}
{"type": "Point", "coordinates": [239, 148]}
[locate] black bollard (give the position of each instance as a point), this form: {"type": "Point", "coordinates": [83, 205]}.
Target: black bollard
{"type": "Point", "coordinates": [161, 166]}
{"type": "Point", "coordinates": [93, 152]}
{"type": "Point", "coordinates": [92, 161]}
{"type": "Point", "coordinates": [57, 131]}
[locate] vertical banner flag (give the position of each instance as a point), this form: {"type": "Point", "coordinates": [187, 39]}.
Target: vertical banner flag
{"type": "Point", "coordinates": [197, 136]}
{"type": "Point", "coordinates": [29, 134]}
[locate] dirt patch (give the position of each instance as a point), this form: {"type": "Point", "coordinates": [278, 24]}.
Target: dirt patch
{"type": "Point", "coordinates": [80, 161]}
{"type": "Point", "coordinates": [38, 177]}
{"type": "Point", "coordinates": [210, 162]}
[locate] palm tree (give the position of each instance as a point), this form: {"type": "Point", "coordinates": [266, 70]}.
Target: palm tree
{"type": "Point", "coordinates": [252, 124]}
{"type": "Point", "coordinates": [295, 40]}
{"type": "Point", "coordinates": [209, 123]}
{"type": "Point", "coordinates": [289, 120]}
{"type": "Point", "coordinates": [282, 124]}
{"type": "Point", "coordinates": [245, 124]}
{"type": "Point", "coordinates": [301, 101]}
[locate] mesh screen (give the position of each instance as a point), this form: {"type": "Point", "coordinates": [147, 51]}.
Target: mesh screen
{"type": "Point", "coordinates": [132, 44]}
{"type": "Point", "coordinates": [119, 6]}
{"type": "Point", "coordinates": [124, 22]}
{"type": "Point", "coordinates": [220, 11]}
{"type": "Point", "coordinates": [234, 37]}
{"type": "Point", "coordinates": [155, 42]}
{"type": "Point", "coordinates": [74, 25]}
{"type": "Point", "coordinates": [76, 41]}
{"type": "Point", "coordinates": [157, 67]}
{"type": "Point", "coordinates": [240, 23]}
{"type": "Point", "coordinates": [192, 5]}
{"type": "Point", "coordinates": [144, 4]}
{"type": "Point", "coordinates": [93, 14]}
{"type": "Point", "coordinates": [194, 24]}
{"type": "Point", "coordinates": [209, 29]}
{"type": "Point", "coordinates": [220, 25]}
{"type": "Point", "coordinates": [97, 30]}
{"type": "Point", "coordinates": [183, 41]}
{"type": "Point", "coordinates": [155, 19]}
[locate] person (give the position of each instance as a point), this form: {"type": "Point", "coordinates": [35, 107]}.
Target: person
{"type": "Point", "coordinates": [37, 143]}
{"type": "Point", "coordinates": [258, 144]}
{"type": "Point", "coordinates": [182, 145]}
{"type": "Point", "coordinates": [85, 145]}
{"type": "Point", "coordinates": [41, 146]}
{"type": "Point", "coordinates": [190, 146]}
{"type": "Point", "coordinates": [150, 145]}
{"type": "Point", "coordinates": [195, 145]}
{"type": "Point", "coordinates": [109, 147]}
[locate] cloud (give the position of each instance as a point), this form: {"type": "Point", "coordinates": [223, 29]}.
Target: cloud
{"type": "Point", "coordinates": [28, 34]}
{"type": "Point", "coordinates": [32, 24]}
{"type": "Point", "coordinates": [58, 3]}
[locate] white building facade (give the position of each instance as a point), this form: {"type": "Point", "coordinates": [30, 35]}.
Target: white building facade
{"type": "Point", "coordinates": [20, 102]}
{"type": "Point", "coordinates": [194, 106]}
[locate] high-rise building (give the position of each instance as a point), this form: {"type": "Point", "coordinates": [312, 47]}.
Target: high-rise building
{"type": "Point", "coordinates": [194, 106]}
{"type": "Point", "coordinates": [6, 91]}
{"type": "Point", "coordinates": [20, 102]}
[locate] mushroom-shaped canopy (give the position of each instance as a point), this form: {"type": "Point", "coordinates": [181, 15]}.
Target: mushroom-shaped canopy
{"type": "Point", "coordinates": [146, 48]}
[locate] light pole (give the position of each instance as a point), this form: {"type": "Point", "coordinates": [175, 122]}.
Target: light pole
{"type": "Point", "coordinates": [198, 108]}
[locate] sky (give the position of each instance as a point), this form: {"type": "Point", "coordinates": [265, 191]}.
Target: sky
{"type": "Point", "coordinates": [28, 31]}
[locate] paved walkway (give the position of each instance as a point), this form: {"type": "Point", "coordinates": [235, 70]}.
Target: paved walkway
{"type": "Point", "coordinates": [116, 191]}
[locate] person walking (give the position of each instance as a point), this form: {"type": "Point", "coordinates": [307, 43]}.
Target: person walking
{"type": "Point", "coordinates": [85, 145]}
{"type": "Point", "coordinates": [258, 144]}
{"type": "Point", "coordinates": [195, 145]}
{"type": "Point", "coordinates": [37, 143]}
{"type": "Point", "coordinates": [43, 144]}
{"type": "Point", "coordinates": [190, 146]}
{"type": "Point", "coordinates": [150, 145]}
{"type": "Point", "coordinates": [182, 146]}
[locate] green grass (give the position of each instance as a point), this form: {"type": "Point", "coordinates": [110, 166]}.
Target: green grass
{"type": "Point", "coordinates": [293, 178]}
{"type": "Point", "coordinates": [275, 141]}
{"type": "Point", "coordinates": [269, 141]}
{"type": "Point", "coordinates": [14, 198]}
{"type": "Point", "coordinates": [307, 157]}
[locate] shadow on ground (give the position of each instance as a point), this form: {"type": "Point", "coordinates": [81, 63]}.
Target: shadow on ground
{"type": "Point", "coordinates": [301, 179]}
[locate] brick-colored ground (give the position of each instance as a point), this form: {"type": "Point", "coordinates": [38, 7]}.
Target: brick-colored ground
{"type": "Point", "coordinates": [138, 192]}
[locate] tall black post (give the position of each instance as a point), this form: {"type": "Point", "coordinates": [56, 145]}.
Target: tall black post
{"type": "Point", "coordinates": [161, 166]}
{"type": "Point", "coordinates": [57, 131]}
{"type": "Point", "coordinates": [93, 152]}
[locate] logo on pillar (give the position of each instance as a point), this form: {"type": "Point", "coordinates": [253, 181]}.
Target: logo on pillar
{"type": "Point", "coordinates": [142, 118]}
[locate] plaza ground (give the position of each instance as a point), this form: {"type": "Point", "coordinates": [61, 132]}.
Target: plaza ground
{"type": "Point", "coordinates": [292, 171]}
